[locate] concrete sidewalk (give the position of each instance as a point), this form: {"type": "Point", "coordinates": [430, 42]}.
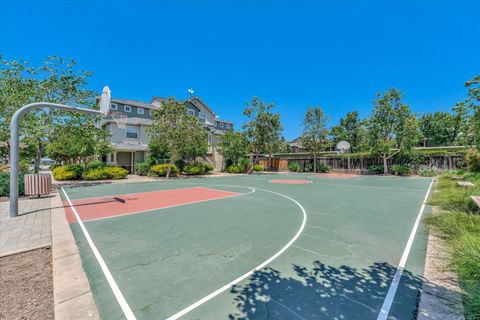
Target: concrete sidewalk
{"type": "Point", "coordinates": [30, 230]}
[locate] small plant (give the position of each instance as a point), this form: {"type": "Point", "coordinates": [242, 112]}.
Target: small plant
{"type": "Point", "coordinates": [258, 168]}
{"type": "Point", "coordinates": [294, 167]}
{"type": "Point", "coordinates": [244, 164]}
{"type": "Point", "coordinates": [401, 169]}
{"type": "Point", "coordinates": [427, 172]}
{"type": "Point", "coordinates": [234, 169]}
{"type": "Point", "coordinates": [160, 170]}
{"type": "Point", "coordinates": [323, 168]}
{"type": "Point", "coordinates": [198, 168]}
{"type": "Point", "coordinates": [94, 164]}
{"type": "Point", "coordinates": [473, 160]}
{"type": "Point", "coordinates": [142, 168]}
{"type": "Point", "coordinates": [375, 169]}
{"type": "Point", "coordinates": [68, 172]}
{"type": "Point", "coordinates": [5, 184]}
{"type": "Point", "coordinates": [24, 166]}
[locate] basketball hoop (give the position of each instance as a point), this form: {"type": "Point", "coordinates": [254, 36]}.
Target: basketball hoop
{"type": "Point", "coordinates": [120, 119]}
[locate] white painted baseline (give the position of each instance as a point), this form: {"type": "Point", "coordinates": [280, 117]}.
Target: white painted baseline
{"type": "Point", "coordinates": [111, 281]}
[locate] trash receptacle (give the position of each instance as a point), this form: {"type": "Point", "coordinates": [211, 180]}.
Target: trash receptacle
{"type": "Point", "coordinates": [37, 184]}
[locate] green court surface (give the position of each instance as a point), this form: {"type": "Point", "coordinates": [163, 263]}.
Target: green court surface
{"type": "Point", "coordinates": [325, 250]}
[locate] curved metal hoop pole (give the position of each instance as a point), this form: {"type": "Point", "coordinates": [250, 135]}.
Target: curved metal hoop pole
{"type": "Point", "coordinates": [14, 144]}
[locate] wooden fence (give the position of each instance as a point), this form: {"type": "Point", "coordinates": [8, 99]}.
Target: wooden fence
{"type": "Point", "coordinates": [362, 164]}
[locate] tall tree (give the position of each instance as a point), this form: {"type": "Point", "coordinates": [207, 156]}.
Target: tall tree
{"type": "Point", "coordinates": [57, 80]}
{"type": "Point", "coordinates": [437, 129]}
{"type": "Point", "coordinates": [473, 104]}
{"type": "Point", "coordinates": [351, 129]}
{"type": "Point", "coordinates": [391, 125]}
{"type": "Point", "coordinates": [233, 146]}
{"type": "Point", "coordinates": [315, 132]}
{"type": "Point", "coordinates": [263, 130]}
{"type": "Point", "coordinates": [176, 132]}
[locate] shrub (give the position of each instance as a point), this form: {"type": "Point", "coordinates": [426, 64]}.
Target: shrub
{"type": "Point", "coordinates": [401, 169]}
{"type": "Point", "coordinates": [5, 184]}
{"type": "Point", "coordinates": [94, 164]}
{"type": "Point", "coordinates": [244, 164]}
{"type": "Point", "coordinates": [160, 170]}
{"type": "Point", "coordinates": [427, 172]}
{"type": "Point", "coordinates": [4, 168]}
{"type": "Point", "coordinates": [323, 168]}
{"type": "Point", "coordinates": [24, 166]}
{"type": "Point", "coordinates": [104, 173]}
{"type": "Point", "coordinates": [234, 169]}
{"type": "Point", "coordinates": [375, 169]}
{"type": "Point", "coordinates": [191, 169]}
{"type": "Point", "coordinates": [473, 160]}
{"type": "Point", "coordinates": [142, 168]}
{"type": "Point", "coordinates": [69, 172]}
{"type": "Point", "coordinates": [258, 168]}
{"type": "Point", "coordinates": [294, 166]}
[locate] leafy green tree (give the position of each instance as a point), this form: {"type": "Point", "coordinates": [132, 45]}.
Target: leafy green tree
{"type": "Point", "coordinates": [314, 137]}
{"type": "Point", "coordinates": [350, 129]}
{"type": "Point", "coordinates": [233, 146]}
{"type": "Point", "coordinates": [57, 80]}
{"type": "Point", "coordinates": [438, 129]}
{"type": "Point", "coordinates": [263, 130]}
{"type": "Point", "coordinates": [391, 125]}
{"type": "Point", "coordinates": [74, 143]}
{"type": "Point", "coordinates": [177, 133]}
{"type": "Point", "coordinates": [473, 104]}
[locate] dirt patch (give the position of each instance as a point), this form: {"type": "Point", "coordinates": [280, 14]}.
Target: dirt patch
{"type": "Point", "coordinates": [26, 290]}
{"type": "Point", "coordinates": [336, 175]}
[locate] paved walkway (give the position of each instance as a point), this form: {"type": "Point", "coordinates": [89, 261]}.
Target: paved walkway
{"type": "Point", "coordinates": [30, 230]}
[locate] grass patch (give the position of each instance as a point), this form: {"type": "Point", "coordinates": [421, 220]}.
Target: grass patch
{"type": "Point", "coordinates": [459, 224]}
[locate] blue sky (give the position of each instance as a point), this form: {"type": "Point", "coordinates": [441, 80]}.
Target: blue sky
{"type": "Point", "coordinates": [337, 55]}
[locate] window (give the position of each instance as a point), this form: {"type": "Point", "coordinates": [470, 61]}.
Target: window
{"type": "Point", "coordinates": [202, 117]}
{"type": "Point", "coordinates": [112, 157]}
{"type": "Point", "coordinates": [227, 126]}
{"type": "Point", "coordinates": [113, 106]}
{"type": "Point", "coordinates": [132, 132]}
{"type": "Point", "coordinates": [140, 110]}
{"type": "Point", "coordinates": [128, 109]}
{"type": "Point", "coordinates": [221, 124]}
{"type": "Point", "coordinates": [191, 112]}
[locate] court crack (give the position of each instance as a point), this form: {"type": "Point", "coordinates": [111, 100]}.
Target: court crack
{"type": "Point", "coordinates": [145, 264]}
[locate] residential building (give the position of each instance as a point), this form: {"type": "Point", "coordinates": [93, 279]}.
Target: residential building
{"type": "Point", "coordinates": [130, 144]}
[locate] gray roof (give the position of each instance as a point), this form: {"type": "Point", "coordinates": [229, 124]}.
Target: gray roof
{"type": "Point", "coordinates": [224, 121]}
{"type": "Point", "coordinates": [135, 103]}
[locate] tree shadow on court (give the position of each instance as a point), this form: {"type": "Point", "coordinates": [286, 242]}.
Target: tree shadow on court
{"type": "Point", "coordinates": [324, 292]}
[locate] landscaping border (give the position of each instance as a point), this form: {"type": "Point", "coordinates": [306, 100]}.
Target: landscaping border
{"type": "Point", "coordinates": [440, 298]}
{"type": "Point", "coordinates": [73, 298]}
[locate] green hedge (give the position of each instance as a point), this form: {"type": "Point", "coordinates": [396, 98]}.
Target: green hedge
{"type": "Point", "coordinates": [160, 170]}
{"type": "Point", "coordinates": [69, 172]}
{"type": "Point", "coordinates": [258, 168]}
{"type": "Point", "coordinates": [473, 160]}
{"type": "Point", "coordinates": [197, 168]}
{"type": "Point", "coordinates": [142, 168]}
{"type": "Point", "coordinates": [5, 184]}
{"type": "Point", "coordinates": [105, 173]}
{"type": "Point", "coordinates": [234, 169]}
{"type": "Point", "coordinates": [401, 169]}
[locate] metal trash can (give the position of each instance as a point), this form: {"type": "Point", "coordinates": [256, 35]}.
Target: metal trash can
{"type": "Point", "coordinates": [37, 184]}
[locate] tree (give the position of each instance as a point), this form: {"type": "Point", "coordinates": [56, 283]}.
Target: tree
{"type": "Point", "coordinates": [350, 129]}
{"type": "Point", "coordinates": [438, 129]}
{"type": "Point", "coordinates": [176, 132]}
{"type": "Point", "coordinates": [263, 130]}
{"type": "Point", "coordinates": [233, 146]}
{"type": "Point", "coordinates": [473, 104]}
{"type": "Point", "coordinates": [75, 143]}
{"type": "Point", "coordinates": [314, 132]}
{"type": "Point", "coordinates": [391, 125]}
{"type": "Point", "coordinates": [57, 80]}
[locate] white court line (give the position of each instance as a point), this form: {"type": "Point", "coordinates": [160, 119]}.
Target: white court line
{"type": "Point", "coordinates": [116, 290]}
{"type": "Point", "coordinates": [249, 273]}
{"type": "Point", "coordinates": [387, 303]}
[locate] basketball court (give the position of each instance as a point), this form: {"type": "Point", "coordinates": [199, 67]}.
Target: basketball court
{"type": "Point", "coordinates": [291, 246]}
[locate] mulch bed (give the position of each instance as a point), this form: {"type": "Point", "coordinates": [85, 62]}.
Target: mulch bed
{"type": "Point", "coordinates": [26, 290]}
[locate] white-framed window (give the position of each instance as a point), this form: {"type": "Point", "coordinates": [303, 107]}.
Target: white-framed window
{"type": "Point", "coordinates": [191, 112]}
{"type": "Point", "coordinates": [140, 110]}
{"type": "Point", "coordinates": [227, 126]}
{"type": "Point", "coordinates": [113, 106]}
{"type": "Point", "coordinates": [151, 112]}
{"type": "Point", "coordinates": [221, 125]}
{"type": "Point", "coordinates": [202, 117]}
{"type": "Point", "coordinates": [127, 108]}
{"type": "Point", "coordinates": [132, 132]}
